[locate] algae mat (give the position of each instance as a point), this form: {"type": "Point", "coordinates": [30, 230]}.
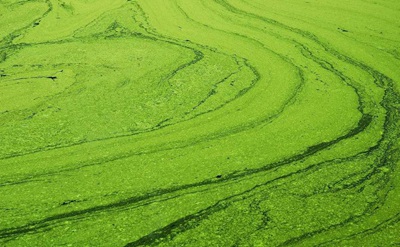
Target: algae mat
{"type": "Point", "coordinates": [199, 123]}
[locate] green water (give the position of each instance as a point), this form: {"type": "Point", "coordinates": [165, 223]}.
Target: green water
{"type": "Point", "coordinates": [199, 123]}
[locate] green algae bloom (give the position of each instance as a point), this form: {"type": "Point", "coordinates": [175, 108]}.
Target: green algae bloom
{"type": "Point", "coordinates": [199, 123]}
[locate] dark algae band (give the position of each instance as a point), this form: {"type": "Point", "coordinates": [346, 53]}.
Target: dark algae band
{"type": "Point", "coordinates": [199, 123]}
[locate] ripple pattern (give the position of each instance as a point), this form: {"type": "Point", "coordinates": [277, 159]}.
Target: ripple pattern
{"type": "Point", "coordinates": [199, 123]}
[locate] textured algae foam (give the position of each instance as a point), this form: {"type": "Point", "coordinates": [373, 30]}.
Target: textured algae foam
{"type": "Point", "coordinates": [199, 123]}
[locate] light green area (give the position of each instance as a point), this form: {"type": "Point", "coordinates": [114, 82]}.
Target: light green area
{"type": "Point", "coordinates": [199, 123]}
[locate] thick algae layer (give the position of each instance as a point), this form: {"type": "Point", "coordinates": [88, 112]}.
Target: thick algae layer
{"type": "Point", "coordinates": [199, 123]}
